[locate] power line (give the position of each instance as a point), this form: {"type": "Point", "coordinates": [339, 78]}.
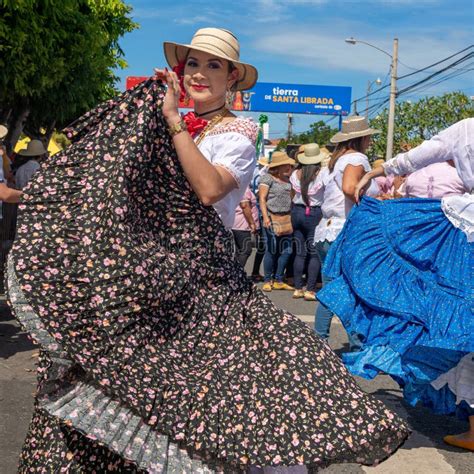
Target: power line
{"type": "Point", "coordinates": [414, 96]}
{"type": "Point", "coordinates": [420, 70]}
{"type": "Point", "coordinates": [437, 73]}
{"type": "Point", "coordinates": [424, 84]}
{"type": "Point", "coordinates": [445, 78]}
{"type": "Point", "coordinates": [431, 65]}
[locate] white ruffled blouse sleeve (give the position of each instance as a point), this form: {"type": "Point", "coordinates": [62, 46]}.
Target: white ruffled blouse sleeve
{"type": "Point", "coordinates": [232, 147]}
{"type": "Point", "coordinates": [353, 159]}
{"type": "Point", "coordinates": [455, 143]}
{"type": "Point", "coordinates": [235, 153]}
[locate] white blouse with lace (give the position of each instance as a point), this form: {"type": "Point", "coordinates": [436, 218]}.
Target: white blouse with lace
{"type": "Point", "coordinates": [232, 146]}
{"type": "Point", "coordinates": [456, 143]}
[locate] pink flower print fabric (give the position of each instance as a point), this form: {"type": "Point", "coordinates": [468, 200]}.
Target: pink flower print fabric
{"type": "Point", "coordinates": [135, 279]}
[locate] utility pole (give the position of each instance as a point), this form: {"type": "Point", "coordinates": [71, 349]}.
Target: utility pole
{"type": "Point", "coordinates": [290, 127]}
{"type": "Point", "coordinates": [393, 88]}
{"type": "Point", "coordinates": [393, 95]}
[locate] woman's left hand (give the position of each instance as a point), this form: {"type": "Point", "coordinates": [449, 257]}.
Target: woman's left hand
{"type": "Point", "coordinates": [171, 102]}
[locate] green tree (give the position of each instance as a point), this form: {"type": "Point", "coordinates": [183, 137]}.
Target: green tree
{"type": "Point", "coordinates": [319, 132]}
{"type": "Point", "coordinates": [57, 60]}
{"type": "Point", "coordinates": [418, 121]}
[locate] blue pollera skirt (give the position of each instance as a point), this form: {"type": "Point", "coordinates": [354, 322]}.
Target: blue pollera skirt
{"type": "Point", "coordinates": [403, 280]}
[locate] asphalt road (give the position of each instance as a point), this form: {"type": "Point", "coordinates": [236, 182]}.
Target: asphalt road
{"type": "Point", "coordinates": [423, 453]}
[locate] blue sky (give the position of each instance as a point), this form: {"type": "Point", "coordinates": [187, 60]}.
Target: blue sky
{"type": "Point", "coordinates": [302, 41]}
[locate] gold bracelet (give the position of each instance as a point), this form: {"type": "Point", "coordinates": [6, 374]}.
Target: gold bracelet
{"type": "Point", "coordinates": [178, 128]}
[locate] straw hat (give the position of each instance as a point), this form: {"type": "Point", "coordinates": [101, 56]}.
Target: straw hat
{"type": "Point", "coordinates": [312, 155]}
{"type": "Point", "coordinates": [263, 161]}
{"type": "Point", "coordinates": [280, 158]}
{"type": "Point", "coordinates": [3, 131]}
{"type": "Point", "coordinates": [220, 43]}
{"type": "Point", "coordinates": [325, 162]}
{"type": "Point", "coordinates": [353, 127]}
{"type": "Point", "coordinates": [34, 148]}
{"type": "Point", "coordinates": [377, 163]}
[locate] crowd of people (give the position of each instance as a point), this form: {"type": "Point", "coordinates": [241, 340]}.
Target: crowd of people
{"type": "Point", "coordinates": [290, 200]}
{"type": "Point", "coordinates": [159, 353]}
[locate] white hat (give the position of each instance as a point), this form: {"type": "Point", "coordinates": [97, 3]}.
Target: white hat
{"type": "Point", "coordinates": [312, 155]}
{"type": "Point", "coordinates": [220, 43]}
{"type": "Point", "coordinates": [3, 131]}
{"type": "Point", "coordinates": [34, 148]}
{"type": "Point", "coordinates": [353, 127]}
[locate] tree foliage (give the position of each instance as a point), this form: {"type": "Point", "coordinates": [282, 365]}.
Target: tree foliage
{"type": "Point", "coordinates": [57, 59]}
{"type": "Point", "coordinates": [418, 121]}
{"type": "Point", "coordinates": [319, 132]}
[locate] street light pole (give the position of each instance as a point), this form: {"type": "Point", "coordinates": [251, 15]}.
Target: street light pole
{"type": "Point", "coordinates": [393, 89]}
{"type": "Point", "coordinates": [393, 95]}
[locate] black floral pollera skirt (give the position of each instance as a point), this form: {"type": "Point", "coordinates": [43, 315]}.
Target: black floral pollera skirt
{"type": "Point", "coordinates": [158, 354]}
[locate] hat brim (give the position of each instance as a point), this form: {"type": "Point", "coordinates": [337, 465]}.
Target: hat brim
{"type": "Point", "coordinates": [3, 131]}
{"type": "Point", "coordinates": [263, 162]}
{"type": "Point", "coordinates": [176, 53]}
{"type": "Point", "coordinates": [312, 160]}
{"type": "Point", "coordinates": [25, 152]}
{"type": "Point", "coordinates": [288, 161]}
{"type": "Point", "coordinates": [340, 137]}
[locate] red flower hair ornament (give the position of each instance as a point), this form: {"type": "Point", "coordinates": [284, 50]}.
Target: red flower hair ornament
{"type": "Point", "coordinates": [179, 70]}
{"type": "Point", "coordinates": [194, 124]}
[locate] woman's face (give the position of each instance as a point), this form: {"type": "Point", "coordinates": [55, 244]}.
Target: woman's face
{"type": "Point", "coordinates": [366, 141]}
{"type": "Point", "coordinates": [284, 171]}
{"type": "Point", "coordinates": [207, 78]}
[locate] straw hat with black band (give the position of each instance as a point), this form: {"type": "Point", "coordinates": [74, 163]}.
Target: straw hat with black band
{"type": "Point", "coordinates": [280, 158]}
{"type": "Point", "coordinates": [312, 155]}
{"type": "Point", "coordinates": [221, 44]}
{"type": "Point", "coordinates": [353, 127]}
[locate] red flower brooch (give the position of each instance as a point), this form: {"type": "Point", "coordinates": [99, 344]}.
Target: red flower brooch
{"type": "Point", "coordinates": [195, 125]}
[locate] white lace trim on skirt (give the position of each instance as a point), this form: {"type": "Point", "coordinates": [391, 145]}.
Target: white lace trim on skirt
{"type": "Point", "coordinates": [460, 211]}
{"type": "Point", "coordinates": [460, 380]}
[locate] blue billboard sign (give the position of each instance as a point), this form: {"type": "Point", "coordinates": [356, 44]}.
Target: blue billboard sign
{"type": "Point", "coordinates": [296, 98]}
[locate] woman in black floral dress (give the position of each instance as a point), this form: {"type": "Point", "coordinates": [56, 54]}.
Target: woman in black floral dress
{"type": "Point", "coordinates": [158, 355]}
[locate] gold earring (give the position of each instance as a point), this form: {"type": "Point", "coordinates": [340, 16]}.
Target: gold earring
{"type": "Point", "coordinates": [229, 99]}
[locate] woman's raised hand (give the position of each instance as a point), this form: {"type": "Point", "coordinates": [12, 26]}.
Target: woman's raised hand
{"type": "Point", "coordinates": [171, 102]}
{"type": "Point", "coordinates": [364, 183]}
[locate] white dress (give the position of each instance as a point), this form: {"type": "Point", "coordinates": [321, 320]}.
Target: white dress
{"type": "Point", "coordinates": [232, 146]}
{"type": "Point", "coordinates": [456, 143]}
{"type": "Point", "coordinates": [336, 206]}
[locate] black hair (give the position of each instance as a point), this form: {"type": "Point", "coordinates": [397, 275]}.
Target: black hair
{"type": "Point", "coordinates": [308, 173]}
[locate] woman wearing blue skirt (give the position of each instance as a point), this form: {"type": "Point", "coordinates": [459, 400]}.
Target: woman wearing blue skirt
{"type": "Point", "coordinates": [403, 273]}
